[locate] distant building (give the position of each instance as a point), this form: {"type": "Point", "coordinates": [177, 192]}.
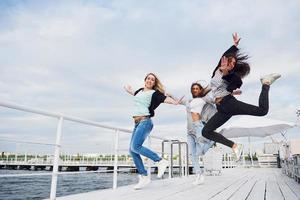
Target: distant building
{"type": "Point", "coordinates": [271, 148]}
{"type": "Point", "coordinates": [292, 147]}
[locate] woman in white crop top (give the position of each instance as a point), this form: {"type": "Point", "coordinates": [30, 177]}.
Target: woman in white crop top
{"type": "Point", "coordinates": [198, 112]}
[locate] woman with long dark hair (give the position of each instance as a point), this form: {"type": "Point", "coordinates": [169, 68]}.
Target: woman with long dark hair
{"type": "Point", "coordinates": [199, 110]}
{"type": "Point", "coordinates": [225, 81]}
{"type": "Point", "coordinates": [146, 100]}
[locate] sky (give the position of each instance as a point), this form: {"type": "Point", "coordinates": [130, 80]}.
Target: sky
{"type": "Point", "coordinates": [74, 57]}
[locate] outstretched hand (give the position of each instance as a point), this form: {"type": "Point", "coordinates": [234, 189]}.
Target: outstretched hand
{"type": "Point", "coordinates": [128, 89]}
{"type": "Point", "coordinates": [179, 101]}
{"type": "Point", "coordinates": [224, 65]}
{"type": "Point", "coordinates": [236, 39]}
{"type": "Point", "coordinates": [172, 100]}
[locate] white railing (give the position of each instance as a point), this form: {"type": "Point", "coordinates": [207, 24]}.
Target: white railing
{"type": "Point", "coordinates": [228, 162]}
{"type": "Point", "coordinates": [61, 118]}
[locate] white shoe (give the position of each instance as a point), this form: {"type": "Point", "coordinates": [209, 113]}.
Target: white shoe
{"type": "Point", "coordinates": [238, 151]}
{"type": "Point", "coordinates": [270, 78]}
{"type": "Point", "coordinates": [199, 179]}
{"type": "Point", "coordinates": [162, 166]}
{"type": "Point", "coordinates": [143, 181]}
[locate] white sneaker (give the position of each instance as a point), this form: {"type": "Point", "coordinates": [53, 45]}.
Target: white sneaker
{"type": "Point", "coordinates": [199, 179]}
{"type": "Point", "coordinates": [162, 166]}
{"type": "Point", "coordinates": [270, 78]}
{"type": "Point", "coordinates": [238, 151]}
{"type": "Point", "coordinates": [143, 181]}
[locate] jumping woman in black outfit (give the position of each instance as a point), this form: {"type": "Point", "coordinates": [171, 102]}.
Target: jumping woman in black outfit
{"type": "Point", "coordinates": [226, 79]}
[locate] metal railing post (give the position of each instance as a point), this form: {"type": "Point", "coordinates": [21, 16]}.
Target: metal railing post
{"type": "Point", "coordinates": [179, 161]}
{"type": "Point", "coordinates": [115, 176]}
{"type": "Point", "coordinates": [181, 170]}
{"type": "Point", "coordinates": [170, 162]}
{"type": "Point", "coordinates": [56, 159]}
{"type": "Point", "coordinates": [163, 147]}
{"type": "Point", "coordinates": [186, 171]}
{"type": "Point", "coordinates": [170, 157]}
{"type": "Point", "coordinates": [171, 166]}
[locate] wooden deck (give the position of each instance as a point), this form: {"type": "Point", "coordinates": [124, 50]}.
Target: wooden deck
{"type": "Point", "coordinates": [233, 184]}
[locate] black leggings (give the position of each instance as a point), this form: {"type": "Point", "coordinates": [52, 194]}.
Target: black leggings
{"type": "Point", "coordinates": [230, 106]}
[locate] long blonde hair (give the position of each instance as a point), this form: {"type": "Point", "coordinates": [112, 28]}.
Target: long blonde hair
{"type": "Point", "coordinates": [157, 85]}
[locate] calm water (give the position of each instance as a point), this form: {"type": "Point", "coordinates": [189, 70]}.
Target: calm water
{"type": "Point", "coordinates": [38, 187]}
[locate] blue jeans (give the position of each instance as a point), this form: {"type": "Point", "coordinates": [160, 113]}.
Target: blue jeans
{"type": "Point", "coordinates": [198, 145]}
{"type": "Point", "coordinates": [139, 135]}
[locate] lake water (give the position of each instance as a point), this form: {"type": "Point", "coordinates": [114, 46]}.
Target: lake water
{"type": "Point", "coordinates": [38, 187]}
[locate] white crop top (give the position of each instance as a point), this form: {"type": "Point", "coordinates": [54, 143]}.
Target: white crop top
{"type": "Point", "coordinates": [196, 105]}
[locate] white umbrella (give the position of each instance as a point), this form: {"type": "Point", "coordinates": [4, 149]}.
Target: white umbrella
{"type": "Point", "coordinates": [245, 126]}
{"type": "Point", "coordinates": [253, 126]}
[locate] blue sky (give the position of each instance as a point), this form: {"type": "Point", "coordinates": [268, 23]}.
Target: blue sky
{"type": "Point", "coordinates": [74, 57]}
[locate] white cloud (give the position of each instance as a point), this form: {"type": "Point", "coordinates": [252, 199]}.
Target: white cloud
{"type": "Point", "coordinates": [75, 57]}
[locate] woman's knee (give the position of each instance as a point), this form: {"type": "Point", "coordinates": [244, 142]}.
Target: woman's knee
{"type": "Point", "coordinates": [135, 148]}
{"type": "Point", "coordinates": [263, 112]}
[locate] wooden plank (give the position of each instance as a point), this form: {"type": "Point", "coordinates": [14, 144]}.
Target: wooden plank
{"type": "Point", "coordinates": [160, 189]}
{"type": "Point", "coordinates": [273, 191]}
{"type": "Point", "coordinates": [258, 190]}
{"type": "Point", "coordinates": [168, 188]}
{"type": "Point", "coordinates": [212, 186]}
{"type": "Point", "coordinates": [291, 184]}
{"type": "Point", "coordinates": [245, 190]}
{"type": "Point", "coordinates": [234, 184]}
{"type": "Point", "coordinates": [229, 191]}
{"type": "Point", "coordinates": [154, 189]}
{"type": "Point", "coordinates": [286, 191]}
{"type": "Point", "coordinates": [174, 191]}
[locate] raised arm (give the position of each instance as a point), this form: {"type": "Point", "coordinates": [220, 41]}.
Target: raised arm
{"type": "Point", "coordinates": [174, 101]}
{"type": "Point", "coordinates": [182, 102]}
{"type": "Point", "coordinates": [232, 50]}
{"type": "Point", "coordinates": [128, 89]}
{"type": "Point", "coordinates": [236, 39]}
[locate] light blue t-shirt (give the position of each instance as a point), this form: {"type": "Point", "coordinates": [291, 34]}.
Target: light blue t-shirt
{"type": "Point", "coordinates": [142, 102]}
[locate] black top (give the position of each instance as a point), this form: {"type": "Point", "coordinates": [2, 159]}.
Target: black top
{"type": "Point", "coordinates": [156, 99]}
{"type": "Point", "coordinates": [234, 81]}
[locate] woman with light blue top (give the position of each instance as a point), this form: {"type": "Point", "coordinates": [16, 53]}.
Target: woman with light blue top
{"type": "Point", "coordinates": [146, 100]}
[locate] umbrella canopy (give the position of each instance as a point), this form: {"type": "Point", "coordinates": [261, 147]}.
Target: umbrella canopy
{"type": "Point", "coordinates": [245, 126]}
